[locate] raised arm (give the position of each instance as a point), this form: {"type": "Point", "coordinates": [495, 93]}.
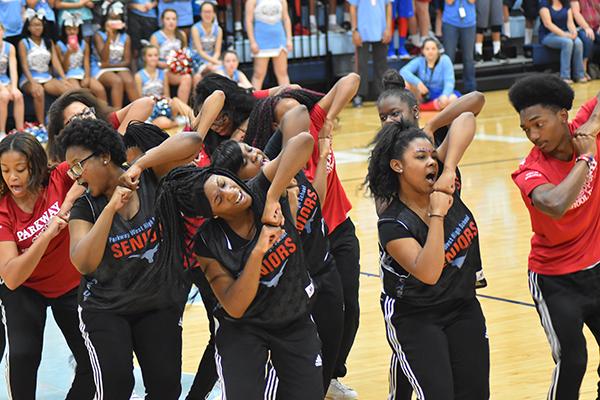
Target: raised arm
{"type": "Point", "coordinates": [556, 200]}
{"type": "Point", "coordinates": [340, 94]}
{"type": "Point", "coordinates": [236, 295]}
{"type": "Point", "coordinates": [179, 149]}
{"type": "Point", "coordinates": [450, 152]}
{"type": "Point", "coordinates": [425, 263]}
{"type": "Point", "coordinates": [472, 102]}
{"type": "Point", "coordinates": [409, 71]}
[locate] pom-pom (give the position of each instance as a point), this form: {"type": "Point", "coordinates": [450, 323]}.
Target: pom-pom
{"type": "Point", "coordinates": [180, 62]}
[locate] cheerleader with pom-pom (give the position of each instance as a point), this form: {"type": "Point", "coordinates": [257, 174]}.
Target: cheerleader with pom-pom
{"type": "Point", "coordinates": [153, 81]}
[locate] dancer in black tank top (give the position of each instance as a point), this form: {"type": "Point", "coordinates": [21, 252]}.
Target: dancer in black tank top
{"type": "Point", "coordinates": [127, 304]}
{"type": "Point", "coordinates": [253, 259]}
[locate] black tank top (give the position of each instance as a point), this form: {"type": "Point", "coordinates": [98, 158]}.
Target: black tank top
{"type": "Point", "coordinates": [285, 286]}
{"type": "Point", "coordinates": [131, 249]}
{"type": "Point", "coordinates": [461, 246]}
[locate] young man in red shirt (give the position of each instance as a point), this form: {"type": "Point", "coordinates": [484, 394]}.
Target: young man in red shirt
{"type": "Point", "coordinates": [560, 186]}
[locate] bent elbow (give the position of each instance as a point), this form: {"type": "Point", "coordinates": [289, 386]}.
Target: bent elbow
{"type": "Point", "coordinates": [11, 283]}
{"type": "Point", "coordinates": [431, 279]}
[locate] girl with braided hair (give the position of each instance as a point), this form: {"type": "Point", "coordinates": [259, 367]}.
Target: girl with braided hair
{"type": "Point", "coordinates": [251, 255]}
{"type": "Point", "coordinates": [344, 244]}
{"type": "Point", "coordinates": [127, 303]}
{"type": "Point", "coordinates": [434, 323]}
{"type": "Point", "coordinates": [327, 307]}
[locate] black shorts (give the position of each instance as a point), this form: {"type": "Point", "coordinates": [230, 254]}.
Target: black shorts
{"type": "Point", "coordinates": [530, 9]}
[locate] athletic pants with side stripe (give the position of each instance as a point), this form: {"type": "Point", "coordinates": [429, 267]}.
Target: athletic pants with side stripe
{"type": "Point", "coordinates": [345, 249]}
{"type": "Point", "coordinates": [24, 311]}
{"type": "Point", "coordinates": [564, 303]}
{"type": "Point", "coordinates": [242, 351]}
{"type": "Point", "coordinates": [443, 351]}
{"type": "Point", "coordinates": [154, 336]}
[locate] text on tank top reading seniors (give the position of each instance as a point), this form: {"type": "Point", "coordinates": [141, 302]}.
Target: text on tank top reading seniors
{"type": "Point", "coordinates": [55, 275]}
{"type": "Point", "coordinates": [461, 235]}
{"type": "Point", "coordinates": [568, 244]}
{"type": "Point", "coordinates": [131, 249]}
{"type": "Point", "coordinates": [282, 295]}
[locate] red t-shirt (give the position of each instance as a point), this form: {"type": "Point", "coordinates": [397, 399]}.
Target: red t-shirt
{"type": "Point", "coordinates": [113, 119]}
{"type": "Point", "coordinates": [570, 243]}
{"type": "Point", "coordinates": [54, 275]}
{"type": "Point", "coordinates": [261, 94]}
{"type": "Point", "coordinates": [203, 159]}
{"type": "Point", "coordinates": [336, 206]}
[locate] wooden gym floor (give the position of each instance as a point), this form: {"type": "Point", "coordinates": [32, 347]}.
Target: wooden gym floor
{"type": "Point", "coordinates": [521, 363]}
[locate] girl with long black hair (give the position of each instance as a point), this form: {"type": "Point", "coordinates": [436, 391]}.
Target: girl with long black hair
{"type": "Point", "coordinates": [35, 266]}
{"type": "Point", "coordinates": [126, 302]}
{"type": "Point", "coordinates": [251, 255]}
{"type": "Point", "coordinates": [327, 306]}
{"type": "Point", "coordinates": [345, 249]}
{"type": "Point", "coordinates": [434, 323]}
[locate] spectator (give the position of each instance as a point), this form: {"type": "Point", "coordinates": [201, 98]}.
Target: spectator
{"type": "Point", "coordinates": [402, 10]}
{"type": "Point", "coordinates": [207, 39]}
{"type": "Point", "coordinates": [48, 7]}
{"type": "Point", "coordinates": [558, 31]}
{"type": "Point", "coordinates": [74, 55]}
{"type": "Point", "coordinates": [8, 87]}
{"type": "Point", "coordinates": [36, 53]}
{"type": "Point", "coordinates": [332, 25]}
{"type": "Point", "coordinates": [431, 77]}
{"type": "Point", "coordinates": [459, 20]}
{"type": "Point", "coordinates": [371, 33]}
{"type": "Point", "coordinates": [231, 71]}
{"type": "Point", "coordinates": [10, 16]}
{"type": "Point", "coordinates": [269, 31]}
{"type": "Point", "coordinates": [112, 57]}
{"type": "Point", "coordinates": [142, 20]}
{"type": "Point", "coordinates": [585, 33]}
{"type": "Point", "coordinates": [183, 8]}
{"type": "Point", "coordinates": [77, 7]}
{"type": "Point", "coordinates": [489, 15]}
{"type": "Point", "coordinates": [169, 39]}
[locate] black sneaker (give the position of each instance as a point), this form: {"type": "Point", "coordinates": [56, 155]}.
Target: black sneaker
{"type": "Point", "coordinates": [500, 56]}
{"type": "Point", "coordinates": [357, 101]}
{"type": "Point", "coordinates": [478, 57]}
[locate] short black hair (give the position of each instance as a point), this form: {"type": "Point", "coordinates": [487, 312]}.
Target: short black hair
{"type": "Point", "coordinates": [393, 85]}
{"type": "Point", "coordinates": [95, 135]}
{"type": "Point", "coordinates": [546, 90]}
{"type": "Point", "coordinates": [228, 155]}
{"type": "Point", "coordinates": [143, 135]}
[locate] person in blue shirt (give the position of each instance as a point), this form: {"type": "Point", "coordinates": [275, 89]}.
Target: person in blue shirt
{"type": "Point", "coordinates": [459, 24]}
{"type": "Point", "coordinates": [371, 33]}
{"type": "Point", "coordinates": [431, 77]}
{"type": "Point", "coordinates": [10, 16]}
{"type": "Point", "coordinates": [558, 31]}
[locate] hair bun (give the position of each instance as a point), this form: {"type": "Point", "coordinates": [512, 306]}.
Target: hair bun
{"type": "Point", "coordinates": [392, 80]}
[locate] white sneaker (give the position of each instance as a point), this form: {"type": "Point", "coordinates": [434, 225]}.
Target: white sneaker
{"type": "Point", "coordinates": [335, 28]}
{"type": "Point", "coordinates": [313, 28]}
{"type": "Point", "coordinates": [339, 391]}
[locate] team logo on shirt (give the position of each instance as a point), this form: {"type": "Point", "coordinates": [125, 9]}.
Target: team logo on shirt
{"type": "Point", "coordinates": [459, 240]}
{"type": "Point", "coordinates": [133, 244]}
{"type": "Point", "coordinates": [38, 226]}
{"type": "Point", "coordinates": [275, 260]}
{"type": "Point", "coordinates": [307, 204]}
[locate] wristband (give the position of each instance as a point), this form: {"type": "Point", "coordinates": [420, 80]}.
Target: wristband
{"type": "Point", "coordinates": [589, 160]}
{"type": "Point", "coordinates": [435, 215]}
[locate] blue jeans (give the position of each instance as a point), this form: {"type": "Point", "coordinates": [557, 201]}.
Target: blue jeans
{"type": "Point", "coordinates": [452, 35]}
{"type": "Point", "coordinates": [571, 52]}
{"type": "Point", "coordinates": [588, 44]}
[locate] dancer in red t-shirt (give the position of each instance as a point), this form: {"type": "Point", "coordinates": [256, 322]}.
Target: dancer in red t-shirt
{"type": "Point", "coordinates": [35, 264]}
{"type": "Point", "coordinates": [560, 187]}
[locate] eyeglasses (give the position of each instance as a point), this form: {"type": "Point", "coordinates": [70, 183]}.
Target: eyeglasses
{"type": "Point", "coordinates": [86, 113]}
{"type": "Point", "coordinates": [77, 169]}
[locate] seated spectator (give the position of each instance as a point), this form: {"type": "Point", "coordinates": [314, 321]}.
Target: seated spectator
{"type": "Point", "coordinates": [112, 56]}
{"type": "Point", "coordinates": [8, 87]}
{"type": "Point", "coordinates": [153, 81]}
{"type": "Point", "coordinates": [231, 71]}
{"type": "Point", "coordinates": [558, 31]}
{"type": "Point", "coordinates": [431, 77]}
{"type": "Point", "coordinates": [167, 40]}
{"type": "Point", "coordinates": [206, 39]}
{"type": "Point", "coordinates": [36, 52]}
{"type": "Point", "coordinates": [82, 8]}
{"type": "Point", "coordinates": [50, 25]}
{"type": "Point", "coordinates": [74, 55]}
{"type": "Point", "coordinates": [183, 8]}
{"type": "Point", "coordinates": [585, 31]}
{"type": "Point", "coordinates": [459, 23]}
